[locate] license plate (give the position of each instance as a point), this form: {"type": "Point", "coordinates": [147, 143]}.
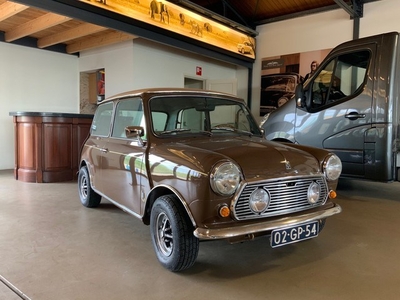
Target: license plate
{"type": "Point", "coordinates": [285, 236]}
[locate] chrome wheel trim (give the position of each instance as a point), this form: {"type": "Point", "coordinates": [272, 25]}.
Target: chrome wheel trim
{"type": "Point", "coordinates": [164, 237]}
{"type": "Point", "coordinates": [84, 187]}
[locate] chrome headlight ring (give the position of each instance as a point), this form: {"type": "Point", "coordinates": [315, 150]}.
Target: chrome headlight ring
{"type": "Point", "coordinates": [259, 200]}
{"type": "Point", "coordinates": [332, 167]}
{"type": "Point", "coordinates": [225, 178]}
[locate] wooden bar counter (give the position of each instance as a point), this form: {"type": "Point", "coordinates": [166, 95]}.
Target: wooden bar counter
{"type": "Point", "coordinates": [47, 145]}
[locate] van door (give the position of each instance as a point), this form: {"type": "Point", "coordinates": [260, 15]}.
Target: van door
{"type": "Point", "coordinates": [338, 114]}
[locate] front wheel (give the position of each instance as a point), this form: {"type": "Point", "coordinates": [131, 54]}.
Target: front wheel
{"type": "Point", "coordinates": [172, 234]}
{"type": "Point", "coordinates": [87, 195]}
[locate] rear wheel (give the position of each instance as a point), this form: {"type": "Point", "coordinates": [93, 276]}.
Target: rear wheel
{"type": "Point", "coordinates": [87, 195]}
{"type": "Point", "coordinates": [172, 234]}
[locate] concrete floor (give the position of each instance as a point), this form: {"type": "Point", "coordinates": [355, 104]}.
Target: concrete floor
{"type": "Point", "coordinates": [54, 248]}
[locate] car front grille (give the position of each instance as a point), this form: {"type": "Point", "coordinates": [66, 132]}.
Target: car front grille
{"type": "Point", "coordinates": [286, 196]}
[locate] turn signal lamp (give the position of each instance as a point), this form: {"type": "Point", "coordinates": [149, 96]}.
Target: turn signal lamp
{"type": "Point", "coordinates": [224, 211]}
{"type": "Point", "coordinates": [332, 194]}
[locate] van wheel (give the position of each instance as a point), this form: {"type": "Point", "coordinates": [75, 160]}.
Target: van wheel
{"type": "Point", "coordinates": [87, 195]}
{"type": "Point", "coordinates": [172, 234]}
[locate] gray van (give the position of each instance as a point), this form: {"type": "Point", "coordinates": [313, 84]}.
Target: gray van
{"type": "Point", "coordinates": [350, 106]}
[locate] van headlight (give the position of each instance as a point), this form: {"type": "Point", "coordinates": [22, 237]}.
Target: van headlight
{"type": "Point", "coordinates": [332, 167]}
{"type": "Point", "coordinates": [225, 178]}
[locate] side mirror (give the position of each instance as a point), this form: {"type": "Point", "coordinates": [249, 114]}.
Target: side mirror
{"type": "Point", "coordinates": [299, 94]}
{"type": "Point", "coordinates": [135, 132]}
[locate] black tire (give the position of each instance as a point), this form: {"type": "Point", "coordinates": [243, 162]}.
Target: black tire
{"type": "Point", "coordinates": [172, 234]}
{"type": "Point", "coordinates": [87, 195]}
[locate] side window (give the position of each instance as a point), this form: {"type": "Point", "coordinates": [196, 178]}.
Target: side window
{"type": "Point", "coordinates": [129, 112]}
{"type": "Point", "coordinates": [102, 120]}
{"type": "Point", "coordinates": [343, 76]}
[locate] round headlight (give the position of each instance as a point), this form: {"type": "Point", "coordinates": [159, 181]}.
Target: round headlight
{"type": "Point", "coordinates": [313, 193]}
{"type": "Point", "coordinates": [225, 178]}
{"type": "Point", "coordinates": [259, 200]}
{"type": "Point", "coordinates": [332, 167]}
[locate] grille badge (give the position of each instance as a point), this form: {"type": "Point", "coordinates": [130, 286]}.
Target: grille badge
{"type": "Point", "coordinates": [287, 164]}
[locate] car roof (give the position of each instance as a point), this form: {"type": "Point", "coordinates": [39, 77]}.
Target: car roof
{"type": "Point", "coordinates": [150, 92]}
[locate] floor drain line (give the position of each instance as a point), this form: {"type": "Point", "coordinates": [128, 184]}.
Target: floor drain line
{"type": "Point", "coordinates": [14, 288]}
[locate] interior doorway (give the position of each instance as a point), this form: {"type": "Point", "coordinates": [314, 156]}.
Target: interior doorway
{"type": "Point", "coordinates": [192, 83]}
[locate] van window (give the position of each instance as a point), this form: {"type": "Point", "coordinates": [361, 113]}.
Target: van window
{"type": "Point", "coordinates": [343, 76]}
{"type": "Point", "coordinates": [102, 120]}
{"type": "Point", "coordinates": [129, 112]}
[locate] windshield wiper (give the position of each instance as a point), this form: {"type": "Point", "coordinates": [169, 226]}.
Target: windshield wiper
{"type": "Point", "coordinates": [179, 130]}
{"type": "Point", "coordinates": [176, 130]}
{"type": "Point", "coordinates": [226, 128]}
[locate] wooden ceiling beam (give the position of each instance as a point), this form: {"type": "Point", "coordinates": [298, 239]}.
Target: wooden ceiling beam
{"type": "Point", "coordinates": [9, 9]}
{"type": "Point", "coordinates": [94, 42]}
{"type": "Point", "coordinates": [70, 34]}
{"type": "Point", "coordinates": [46, 21]}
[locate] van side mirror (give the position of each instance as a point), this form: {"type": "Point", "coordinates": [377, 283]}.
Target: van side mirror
{"type": "Point", "coordinates": [299, 94]}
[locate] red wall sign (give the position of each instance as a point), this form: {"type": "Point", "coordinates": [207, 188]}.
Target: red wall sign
{"type": "Point", "coordinates": [198, 71]}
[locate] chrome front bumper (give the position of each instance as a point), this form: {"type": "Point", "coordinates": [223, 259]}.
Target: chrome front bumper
{"type": "Point", "coordinates": [265, 226]}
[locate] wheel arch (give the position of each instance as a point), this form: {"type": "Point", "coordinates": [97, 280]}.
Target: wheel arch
{"type": "Point", "coordinates": [84, 163]}
{"type": "Point", "coordinates": [159, 191]}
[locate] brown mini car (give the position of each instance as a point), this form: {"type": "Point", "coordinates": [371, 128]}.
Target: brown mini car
{"type": "Point", "coordinates": [194, 165]}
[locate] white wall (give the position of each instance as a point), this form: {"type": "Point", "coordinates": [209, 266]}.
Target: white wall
{"type": "Point", "coordinates": [33, 80]}
{"type": "Point", "coordinates": [117, 60]}
{"type": "Point", "coordinates": [141, 64]}
{"type": "Point", "coordinates": [158, 65]}
{"type": "Point", "coordinates": [319, 31]}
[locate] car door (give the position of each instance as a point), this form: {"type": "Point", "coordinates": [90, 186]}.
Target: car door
{"type": "Point", "coordinates": [124, 158]}
{"type": "Point", "coordinates": [99, 132]}
{"type": "Point", "coordinates": [338, 110]}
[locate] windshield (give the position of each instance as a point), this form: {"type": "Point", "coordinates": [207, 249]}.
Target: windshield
{"type": "Point", "coordinates": [200, 115]}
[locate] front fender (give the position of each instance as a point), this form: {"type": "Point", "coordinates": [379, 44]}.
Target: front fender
{"type": "Point", "coordinates": [159, 191]}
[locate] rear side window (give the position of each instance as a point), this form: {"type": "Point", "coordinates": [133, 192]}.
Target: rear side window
{"type": "Point", "coordinates": [342, 77]}
{"type": "Point", "coordinates": [102, 120]}
{"type": "Point", "coordinates": [129, 112]}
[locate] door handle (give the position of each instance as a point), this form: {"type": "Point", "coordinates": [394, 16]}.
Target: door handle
{"type": "Point", "coordinates": [105, 150]}
{"type": "Point", "coordinates": [354, 116]}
